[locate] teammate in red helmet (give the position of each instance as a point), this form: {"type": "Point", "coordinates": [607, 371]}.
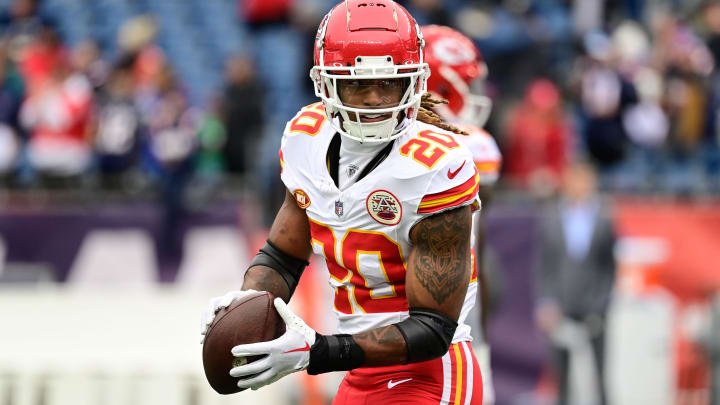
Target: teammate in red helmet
{"type": "Point", "coordinates": [379, 186]}
{"type": "Point", "coordinates": [458, 75]}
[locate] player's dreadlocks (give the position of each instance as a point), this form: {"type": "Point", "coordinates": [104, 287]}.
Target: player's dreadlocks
{"type": "Point", "coordinates": [426, 115]}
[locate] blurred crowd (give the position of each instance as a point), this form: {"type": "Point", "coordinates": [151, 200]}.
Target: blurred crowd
{"type": "Point", "coordinates": [631, 85]}
{"type": "Point", "coordinates": [73, 117]}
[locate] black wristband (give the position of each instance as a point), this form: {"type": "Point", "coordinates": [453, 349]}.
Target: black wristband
{"type": "Point", "coordinates": [334, 353]}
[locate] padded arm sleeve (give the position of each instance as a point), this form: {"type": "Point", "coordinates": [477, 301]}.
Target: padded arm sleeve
{"type": "Point", "coordinates": [428, 334]}
{"type": "Point", "coordinates": [289, 267]}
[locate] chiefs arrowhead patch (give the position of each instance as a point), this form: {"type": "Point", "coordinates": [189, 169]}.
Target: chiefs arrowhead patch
{"type": "Point", "coordinates": [384, 207]}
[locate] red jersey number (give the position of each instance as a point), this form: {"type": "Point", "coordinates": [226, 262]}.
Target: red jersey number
{"type": "Point", "coordinates": [370, 275]}
{"type": "Point", "coordinates": [428, 147]}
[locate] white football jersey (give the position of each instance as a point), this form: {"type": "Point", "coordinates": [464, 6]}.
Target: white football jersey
{"type": "Point", "coordinates": [363, 232]}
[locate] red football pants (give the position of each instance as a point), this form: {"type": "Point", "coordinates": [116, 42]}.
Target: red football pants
{"type": "Point", "coordinates": [452, 379]}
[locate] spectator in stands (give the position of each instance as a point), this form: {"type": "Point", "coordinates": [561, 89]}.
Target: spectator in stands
{"type": "Point", "coordinates": [687, 64]}
{"type": "Point", "coordinates": [603, 95]}
{"type": "Point", "coordinates": [57, 116]}
{"type": "Point", "coordinates": [118, 126]}
{"type": "Point", "coordinates": [212, 138]}
{"type": "Point", "coordinates": [538, 139]}
{"type": "Point", "coordinates": [647, 126]}
{"type": "Point", "coordinates": [242, 112]}
{"type": "Point", "coordinates": [42, 59]}
{"type": "Point", "coordinates": [210, 166]}
{"type": "Point", "coordinates": [136, 42]}
{"type": "Point", "coordinates": [169, 149]}
{"type": "Point", "coordinates": [85, 59]}
{"type": "Point", "coordinates": [12, 91]}
{"type": "Point", "coordinates": [20, 23]}
{"type": "Point", "coordinates": [172, 124]}
{"type": "Point", "coordinates": [576, 273]}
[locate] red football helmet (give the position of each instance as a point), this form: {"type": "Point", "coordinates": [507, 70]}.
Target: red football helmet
{"type": "Point", "coordinates": [369, 39]}
{"type": "Point", "coordinates": [458, 73]}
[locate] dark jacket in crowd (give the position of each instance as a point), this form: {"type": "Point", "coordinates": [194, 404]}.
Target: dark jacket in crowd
{"type": "Point", "coordinates": [243, 116]}
{"type": "Point", "coordinates": [579, 287]}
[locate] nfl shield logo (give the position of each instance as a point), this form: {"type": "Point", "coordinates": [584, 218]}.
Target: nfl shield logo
{"type": "Point", "coordinates": [338, 208]}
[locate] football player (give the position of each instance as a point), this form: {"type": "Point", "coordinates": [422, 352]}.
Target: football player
{"type": "Point", "coordinates": [378, 185]}
{"type": "Point", "coordinates": [458, 76]}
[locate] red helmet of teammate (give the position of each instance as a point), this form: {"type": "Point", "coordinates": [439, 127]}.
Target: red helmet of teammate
{"type": "Point", "coordinates": [370, 39]}
{"type": "Point", "coordinates": [458, 73]}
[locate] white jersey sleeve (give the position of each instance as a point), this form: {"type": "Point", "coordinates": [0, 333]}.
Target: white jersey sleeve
{"type": "Point", "coordinates": [453, 185]}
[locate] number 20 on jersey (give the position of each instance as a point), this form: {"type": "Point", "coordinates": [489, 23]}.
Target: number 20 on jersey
{"type": "Point", "coordinates": [428, 147]}
{"type": "Point", "coordinates": [378, 286]}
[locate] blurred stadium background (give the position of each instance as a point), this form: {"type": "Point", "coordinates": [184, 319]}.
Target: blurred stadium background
{"type": "Point", "coordinates": [138, 173]}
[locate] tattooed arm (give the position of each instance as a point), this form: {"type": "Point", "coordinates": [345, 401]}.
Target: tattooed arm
{"type": "Point", "coordinates": [290, 232]}
{"type": "Point", "coordinates": [439, 266]}
{"type": "Point", "coordinates": [437, 278]}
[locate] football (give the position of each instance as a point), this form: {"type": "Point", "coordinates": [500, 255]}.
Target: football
{"type": "Point", "coordinates": [247, 320]}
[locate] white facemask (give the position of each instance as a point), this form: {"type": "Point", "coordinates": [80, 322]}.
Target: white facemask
{"type": "Point", "coordinates": [371, 67]}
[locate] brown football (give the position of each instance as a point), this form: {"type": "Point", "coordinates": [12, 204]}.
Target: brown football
{"type": "Point", "coordinates": [250, 319]}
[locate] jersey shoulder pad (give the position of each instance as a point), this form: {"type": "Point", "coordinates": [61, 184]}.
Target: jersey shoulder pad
{"type": "Point", "coordinates": [427, 149]}
{"type": "Point", "coordinates": [456, 185]}
{"type": "Point", "coordinates": [304, 140]}
{"type": "Point", "coordinates": [305, 132]}
{"type": "Point", "coordinates": [452, 180]}
{"type": "Point", "coordinates": [310, 120]}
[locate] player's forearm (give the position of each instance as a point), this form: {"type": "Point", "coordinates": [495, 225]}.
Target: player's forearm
{"type": "Point", "coordinates": [262, 278]}
{"type": "Point", "coordinates": [423, 336]}
{"type": "Point", "coordinates": [383, 346]}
